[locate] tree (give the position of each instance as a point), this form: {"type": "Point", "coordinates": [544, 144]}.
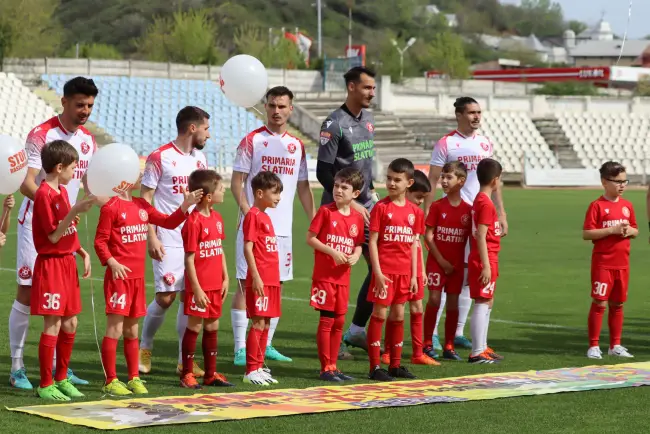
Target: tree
{"type": "Point", "coordinates": [643, 87]}
{"type": "Point", "coordinates": [94, 51]}
{"type": "Point", "coordinates": [448, 56]}
{"type": "Point", "coordinates": [279, 52]}
{"type": "Point", "coordinates": [188, 37]}
{"type": "Point", "coordinates": [577, 26]}
{"type": "Point", "coordinates": [27, 28]}
{"type": "Point", "coordinates": [540, 17]}
{"type": "Point", "coordinates": [567, 88]}
{"type": "Point", "coordinates": [524, 55]}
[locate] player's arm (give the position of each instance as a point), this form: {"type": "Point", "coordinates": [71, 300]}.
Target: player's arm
{"type": "Point", "coordinates": [306, 198]}
{"type": "Point", "coordinates": [85, 257]}
{"type": "Point", "coordinates": [591, 230]}
{"type": "Point", "coordinates": [434, 175]}
{"type": "Point", "coordinates": [237, 188]}
{"type": "Point", "coordinates": [414, 263]}
{"type": "Point", "coordinates": [647, 205]}
{"type": "Point", "coordinates": [225, 282]}
{"type": "Point", "coordinates": [316, 244]}
{"type": "Point", "coordinates": [156, 249]}
{"type": "Point", "coordinates": [374, 254]}
{"type": "Point", "coordinates": [200, 298]}
{"type": "Point", "coordinates": [28, 187]}
{"type": "Point", "coordinates": [481, 243]}
{"type": "Point", "coordinates": [258, 284]}
{"type": "Point", "coordinates": [173, 220]}
{"type": "Point", "coordinates": [55, 235]}
{"type": "Point", "coordinates": [433, 249]}
{"type": "Point", "coordinates": [497, 198]}
{"type": "Point", "coordinates": [7, 206]}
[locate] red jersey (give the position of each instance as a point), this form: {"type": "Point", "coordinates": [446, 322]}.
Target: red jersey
{"type": "Point", "coordinates": [204, 237]}
{"type": "Point", "coordinates": [613, 251]}
{"type": "Point", "coordinates": [398, 228]}
{"type": "Point", "coordinates": [122, 232]}
{"type": "Point", "coordinates": [340, 232]}
{"type": "Point", "coordinates": [451, 227]}
{"type": "Point", "coordinates": [485, 213]}
{"type": "Point", "coordinates": [50, 208]}
{"type": "Point", "coordinates": [258, 229]}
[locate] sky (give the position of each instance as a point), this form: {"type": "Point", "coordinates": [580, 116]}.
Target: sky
{"type": "Point", "coordinates": [616, 13]}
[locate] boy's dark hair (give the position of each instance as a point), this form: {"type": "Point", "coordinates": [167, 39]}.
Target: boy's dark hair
{"type": "Point", "coordinates": [611, 169]}
{"type": "Point", "coordinates": [402, 165]}
{"type": "Point", "coordinates": [354, 74]}
{"type": "Point", "coordinates": [58, 152]}
{"type": "Point", "coordinates": [456, 167]}
{"type": "Point", "coordinates": [350, 176]}
{"type": "Point", "coordinates": [204, 179]}
{"type": "Point", "coordinates": [463, 102]}
{"type": "Point", "coordinates": [80, 86]}
{"type": "Point", "coordinates": [487, 170]}
{"type": "Point", "coordinates": [266, 181]}
{"type": "Point", "coordinates": [190, 115]}
{"type": "Point", "coordinates": [421, 183]}
{"type": "Point", "coordinates": [279, 91]}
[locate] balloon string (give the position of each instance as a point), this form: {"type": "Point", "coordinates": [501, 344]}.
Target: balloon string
{"type": "Point", "coordinates": [256, 109]}
{"type": "Point", "coordinates": [629, 17]}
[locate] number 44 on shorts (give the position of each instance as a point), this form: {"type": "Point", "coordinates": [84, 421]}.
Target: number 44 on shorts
{"type": "Point", "coordinates": [116, 300]}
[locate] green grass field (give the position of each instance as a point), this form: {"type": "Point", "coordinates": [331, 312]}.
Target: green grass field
{"type": "Point", "coordinates": [538, 322]}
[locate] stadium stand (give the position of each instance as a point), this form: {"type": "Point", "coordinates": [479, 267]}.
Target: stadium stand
{"type": "Point", "coordinates": [141, 112]}
{"type": "Point", "coordinates": [600, 136]}
{"type": "Point", "coordinates": [20, 109]}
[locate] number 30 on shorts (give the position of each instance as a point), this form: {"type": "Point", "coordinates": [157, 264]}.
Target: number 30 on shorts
{"type": "Point", "coordinates": [318, 296]}
{"type": "Point", "coordinates": [600, 289]}
{"type": "Point", "coordinates": [262, 304]}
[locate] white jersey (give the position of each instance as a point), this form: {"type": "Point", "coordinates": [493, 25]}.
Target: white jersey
{"type": "Point", "coordinates": [48, 131]}
{"type": "Point", "coordinates": [469, 151]}
{"type": "Point", "coordinates": [261, 150]}
{"type": "Point", "coordinates": [167, 171]}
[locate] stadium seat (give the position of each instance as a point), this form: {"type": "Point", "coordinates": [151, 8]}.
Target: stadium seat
{"type": "Point", "coordinates": [20, 109]}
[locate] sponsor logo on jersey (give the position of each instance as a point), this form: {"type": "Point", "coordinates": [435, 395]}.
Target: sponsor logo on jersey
{"type": "Point", "coordinates": [626, 212]}
{"type": "Point", "coordinates": [169, 279]}
{"type": "Point", "coordinates": [411, 219]}
{"type": "Point", "coordinates": [85, 148]}
{"type": "Point", "coordinates": [25, 272]}
{"type": "Point", "coordinates": [144, 216]}
{"type": "Point", "coordinates": [291, 148]}
{"type": "Point", "coordinates": [354, 231]}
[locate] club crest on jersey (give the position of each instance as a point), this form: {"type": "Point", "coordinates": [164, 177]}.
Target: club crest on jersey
{"type": "Point", "coordinates": [124, 215]}
{"type": "Point", "coordinates": [85, 148]}
{"type": "Point", "coordinates": [485, 146]}
{"type": "Point", "coordinates": [334, 223]}
{"type": "Point", "coordinates": [444, 215]}
{"type": "Point", "coordinates": [25, 272]}
{"type": "Point", "coordinates": [291, 148]}
{"type": "Point", "coordinates": [626, 212]}
{"type": "Point", "coordinates": [199, 165]}
{"type": "Point", "coordinates": [370, 127]}
{"type": "Point", "coordinates": [169, 279]}
{"type": "Point", "coordinates": [219, 228]}
{"type": "Point", "coordinates": [57, 206]}
{"type": "Point", "coordinates": [354, 231]}
{"type": "Point", "coordinates": [144, 216]}
{"type": "Point", "coordinates": [411, 219]}
{"type": "Point", "coordinates": [465, 220]}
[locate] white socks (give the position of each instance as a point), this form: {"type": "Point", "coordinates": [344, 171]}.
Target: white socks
{"type": "Point", "coordinates": [272, 327]}
{"type": "Point", "coordinates": [443, 301]}
{"type": "Point", "coordinates": [239, 326]}
{"type": "Point", "coordinates": [487, 325]}
{"type": "Point", "coordinates": [355, 329]}
{"type": "Point", "coordinates": [478, 328]}
{"type": "Point", "coordinates": [151, 324]}
{"type": "Point", "coordinates": [18, 326]}
{"type": "Point", "coordinates": [181, 325]}
{"type": "Point", "coordinates": [464, 306]}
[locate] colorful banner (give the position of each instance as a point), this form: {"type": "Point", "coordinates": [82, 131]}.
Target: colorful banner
{"type": "Point", "coordinates": [134, 413]}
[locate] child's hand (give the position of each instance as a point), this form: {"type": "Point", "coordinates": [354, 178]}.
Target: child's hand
{"type": "Point", "coordinates": [224, 290]}
{"type": "Point", "coordinates": [486, 276]}
{"type": "Point", "coordinates": [353, 259]}
{"type": "Point", "coordinates": [191, 198]}
{"type": "Point", "coordinates": [625, 229]}
{"type": "Point", "coordinates": [619, 229]}
{"type": "Point", "coordinates": [446, 266]}
{"type": "Point", "coordinates": [86, 259]}
{"type": "Point", "coordinates": [201, 300]}
{"type": "Point", "coordinates": [3, 239]}
{"type": "Point", "coordinates": [76, 220]}
{"type": "Point", "coordinates": [9, 202]}
{"type": "Point", "coordinates": [340, 258]}
{"type": "Point", "coordinates": [258, 286]}
{"type": "Point", "coordinates": [414, 285]}
{"type": "Point", "coordinates": [119, 270]}
{"type": "Point", "coordinates": [381, 286]}
{"type": "Point", "coordinates": [425, 280]}
{"type": "Point", "coordinates": [84, 204]}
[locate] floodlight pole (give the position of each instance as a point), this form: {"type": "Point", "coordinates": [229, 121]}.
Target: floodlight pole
{"type": "Point", "coordinates": [401, 52]}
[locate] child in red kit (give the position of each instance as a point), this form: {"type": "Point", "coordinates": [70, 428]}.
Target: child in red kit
{"type": "Point", "coordinates": [121, 246]}
{"type": "Point", "coordinates": [206, 279]}
{"type": "Point", "coordinates": [263, 298]}
{"type": "Point", "coordinates": [610, 223]}
{"type": "Point", "coordinates": [336, 235]}
{"type": "Point", "coordinates": [448, 226]}
{"type": "Point", "coordinates": [55, 291]}
{"type": "Point", "coordinates": [395, 226]}
{"type": "Point", "coordinates": [483, 261]}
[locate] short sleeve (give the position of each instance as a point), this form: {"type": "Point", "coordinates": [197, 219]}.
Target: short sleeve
{"type": "Point", "coordinates": [375, 218]}
{"type": "Point", "coordinates": [317, 222]}
{"type": "Point", "coordinates": [220, 222]}
{"type": "Point", "coordinates": [303, 173]}
{"type": "Point", "coordinates": [103, 233]}
{"type": "Point", "coordinates": [361, 236]}
{"type": "Point", "coordinates": [439, 154]}
{"type": "Point", "coordinates": [591, 218]}
{"type": "Point", "coordinates": [483, 213]}
{"type": "Point", "coordinates": [250, 227]}
{"type": "Point", "coordinates": [190, 232]}
{"type": "Point", "coordinates": [330, 135]}
{"type": "Point", "coordinates": [432, 217]}
{"type": "Point", "coordinates": [34, 146]}
{"type": "Point", "coordinates": [43, 209]}
{"type": "Point", "coordinates": [633, 218]}
{"type": "Point", "coordinates": [420, 221]}
{"type": "Point", "coordinates": [152, 170]}
{"type": "Point", "coordinates": [244, 155]}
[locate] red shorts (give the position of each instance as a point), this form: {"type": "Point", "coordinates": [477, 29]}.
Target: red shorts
{"type": "Point", "coordinates": [213, 311]}
{"type": "Point", "coordinates": [330, 297]}
{"type": "Point", "coordinates": [420, 294]}
{"type": "Point", "coordinates": [609, 285]}
{"type": "Point", "coordinates": [125, 297]}
{"type": "Point", "coordinates": [439, 281]}
{"type": "Point", "coordinates": [397, 292]}
{"type": "Point", "coordinates": [268, 306]}
{"type": "Point", "coordinates": [55, 286]}
{"type": "Point", "coordinates": [476, 288]}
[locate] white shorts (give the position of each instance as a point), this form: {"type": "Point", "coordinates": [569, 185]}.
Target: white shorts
{"type": "Point", "coordinates": [169, 274]}
{"type": "Point", "coordinates": [285, 252]}
{"type": "Point", "coordinates": [25, 256]}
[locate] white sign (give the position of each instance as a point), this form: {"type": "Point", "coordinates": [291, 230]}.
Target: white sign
{"type": "Point", "coordinates": [562, 177]}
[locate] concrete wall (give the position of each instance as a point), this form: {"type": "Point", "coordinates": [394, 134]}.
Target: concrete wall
{"type": "Point", "coordinates": [469, 87]}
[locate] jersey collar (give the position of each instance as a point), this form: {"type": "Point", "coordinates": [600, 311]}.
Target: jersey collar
{"type": "Point", "coordinates": [347, 110]}
{"type": "Point", "coordinates": [273, 134]}
{"type": "Point", "coordinates": [178, 149]}
{"type": "Point", "coordinates": [464, 136]}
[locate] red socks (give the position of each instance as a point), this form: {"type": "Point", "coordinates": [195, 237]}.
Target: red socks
{"type": "Point", "coordinates": [255, 349]}
{"type": "Point", "coordinates": [451, 323]}
{"type": "Point", "coordinates": [261, 348]}
{"type": "Point", "coordinates": [188, 349]}
{"type": "Point", "coordinates": [109, 354]}
{"type": "Point", "coordinates": [416, 334]}
{"type": "Point", "coordinates": [132, 356]}
{"type": "Point", "coordinates": [46, 347]}
{"type": "Point", "coordinates": [324, 342]}
{"type": "Point", "coordinates": [335, 340]}
{"type": "Point", "coordinates": [430, 315]}
{"type": "Point", "coordinates": [615, 323]}
{"type": "Point", "coordinates": [595, 323]}
{"type": "Point", "coordinates": [209, 345]}
{"type": "Point", "coordinates": [397, 342]}
{"type": "Point", "coordinates": [64, 345]}
{"type": "Point", "coordinates": [374, 341]}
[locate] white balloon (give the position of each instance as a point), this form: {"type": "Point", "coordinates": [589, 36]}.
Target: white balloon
{"type": "Point", "coordinates": [115, 168]}
{"type": "Point", "coordinates": [244, 80]}
{"type": "Point", "coordinates": [13, 164]}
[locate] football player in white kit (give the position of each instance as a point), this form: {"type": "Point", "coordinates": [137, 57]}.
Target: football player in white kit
{"type": "Point", "coordinates": [163, 183]}
{"type": "Point", "coordinates": [467, 146]}
{"type": "Point", "coordinates": [269, 148]}
{"type": "Point", "coordinates": [78, 99]}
